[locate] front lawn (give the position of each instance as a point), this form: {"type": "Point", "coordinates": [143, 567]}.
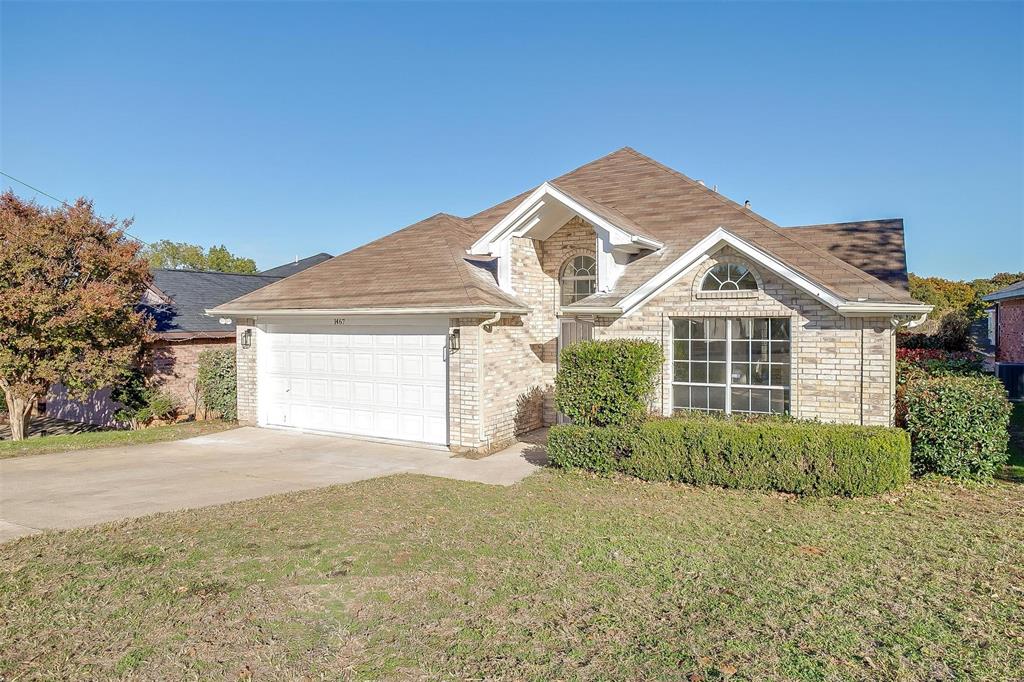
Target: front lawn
{"type": "Point", "coordinates": [564, 576]}
{"type": "Point", "coordinates": [1014, 469]}
{"type": "Point", "coordinates": [43, 445]}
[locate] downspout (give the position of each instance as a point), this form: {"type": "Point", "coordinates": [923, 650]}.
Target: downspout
{"type": "Point", "coordinates": [480, 372]}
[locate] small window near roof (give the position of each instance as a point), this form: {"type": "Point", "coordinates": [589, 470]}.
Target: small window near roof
{"type": "Point", "coordinates": [579, 279]}
{"type": "Point", "coordinates": [729, 277]}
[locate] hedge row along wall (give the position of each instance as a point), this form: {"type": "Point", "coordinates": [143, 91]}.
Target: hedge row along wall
{"type": "Point", "coordinates": [807, 458]}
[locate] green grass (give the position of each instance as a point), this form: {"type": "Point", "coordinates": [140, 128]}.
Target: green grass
{"type": "Point", "coordinates": [564, 576]}
{"type": "Point", "coordinates": [1014, 469]}
{"type": "Point", "coordinates": [101, 439]}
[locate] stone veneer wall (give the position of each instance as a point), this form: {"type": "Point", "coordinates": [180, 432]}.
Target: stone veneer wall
{"type": "Point", "coordinates": [1010, 331]}
{"type": "Point", "coordinates": [245, 359]}
{"type": "Point", "coordinates": [843, 368]}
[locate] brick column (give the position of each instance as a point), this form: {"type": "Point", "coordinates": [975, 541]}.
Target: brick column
{"type": "Point", "coordinates": [245, 359]}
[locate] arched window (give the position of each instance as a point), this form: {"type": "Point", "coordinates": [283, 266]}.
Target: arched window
{"type": "Point", "coordinates": [579, 279]}
{"type": "Point", "coordinates": [729, 277]}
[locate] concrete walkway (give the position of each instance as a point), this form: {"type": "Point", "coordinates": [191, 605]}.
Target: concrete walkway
{"type": "Point", "coordinates": [92, 486]}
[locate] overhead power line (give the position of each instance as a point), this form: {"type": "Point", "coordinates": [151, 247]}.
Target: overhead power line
{"type": "Point", "coordinates": [47, 194]}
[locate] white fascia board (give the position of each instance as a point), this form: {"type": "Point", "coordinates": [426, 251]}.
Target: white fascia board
{"type": "Point", "coordinates": [1003, 295]}
{"type": "Point", "coordinates": [699, 252]}
{"type": "Point", "coordinates": [863, 309]}
{"type": "Point", "coordinates": [336, 312]}
{"type": "Point", "coordinates": [483, 246]}
{"type": "Point", "coordinates": [531, 204]}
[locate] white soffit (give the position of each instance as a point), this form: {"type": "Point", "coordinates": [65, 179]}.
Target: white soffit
{"type": "Point", "coordinates": [543, 212]}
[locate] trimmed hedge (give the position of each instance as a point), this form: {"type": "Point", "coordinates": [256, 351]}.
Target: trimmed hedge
{"type": "Point", "coordinates": [607, 383]}
{"type": "Point", "coordinates": [808, 458]}
{"type": "Point", "coordinates": [958, 424]}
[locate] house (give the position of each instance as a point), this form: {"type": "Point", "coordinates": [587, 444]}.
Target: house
{"type": "Point", "coordinates": [1009, 336]}
{"type": "Point", "coordinates": [447, 332]}
{"type": "Point", "coordinates": [177, 301]}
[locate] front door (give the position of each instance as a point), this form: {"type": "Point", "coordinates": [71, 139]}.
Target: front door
{"type": "Point", "coordinates": [572, 330]}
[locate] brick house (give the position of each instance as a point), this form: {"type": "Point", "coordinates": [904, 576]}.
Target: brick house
{"type": "Point", "coordinates": [177, 300]}
{"type": "Point", "coordinates": [447, 332]}
{"type": "Point", "coordinates": [1009, 336]}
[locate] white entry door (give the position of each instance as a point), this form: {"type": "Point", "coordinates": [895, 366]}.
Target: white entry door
{"type": "Point", "coordinates": [383, 385]}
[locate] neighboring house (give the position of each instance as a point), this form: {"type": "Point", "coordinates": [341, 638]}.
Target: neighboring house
{"type": "Point", "coordinates": [1009, 336]}
{"type": "Point", "coordinates": [447, 332]}
{"type": "Point", "coordinates": [177, 300]}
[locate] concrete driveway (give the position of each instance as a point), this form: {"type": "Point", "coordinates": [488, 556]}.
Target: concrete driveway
{"type": "Point", "coordinates": [92, 486]}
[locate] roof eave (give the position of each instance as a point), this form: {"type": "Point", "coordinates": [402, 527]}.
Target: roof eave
{"type": "Point", "coordinates": [866, 309]}
{"type": "Point", "coordinates": [326, 312]}
{"type": "Point", "coordinates": [1003, 296]}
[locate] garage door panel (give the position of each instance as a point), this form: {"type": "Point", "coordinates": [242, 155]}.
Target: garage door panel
{"type": "Point", "coordinates": [351, 381]}
{"type": "Point", "coordinates": [318, 389]}
{"type": "Point", "coordinates": [362, 363]}
{"type": "Point", "coordinates": [318, 362]}
{"type": "Point", "coordinates": [340, 363]}
{"type": "Point", "coordinates": [278, 361]}
{"type": "Point", "coordinates": [412, 367]}
{"type": "Point", "coordinates": [434, 398]}
{"type": "Point", "coordinates": [340, 391]}
{"type": "Point", "coordinates": [411, 395]}
{"type": "Point", "coordinates": [362, 392]}
{"type": "Point", "coordinates": [385, 365]}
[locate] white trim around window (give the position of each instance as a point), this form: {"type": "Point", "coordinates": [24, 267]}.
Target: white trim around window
{"type": "Point", "coordinates": [731, 364]}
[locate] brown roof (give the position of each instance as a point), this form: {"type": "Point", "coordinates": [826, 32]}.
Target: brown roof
{"type": "Point", "coordinates": [874, 246]}
{"type": "Point", "coordinates": [425, 265]}
{"type": "Point", "coordinates": [421, 266]}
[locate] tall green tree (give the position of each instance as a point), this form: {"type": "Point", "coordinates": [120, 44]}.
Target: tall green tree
{"type": "Point", "coordinates": [184, 256]}
{"type": "Point", "coordinates": [69, 284]}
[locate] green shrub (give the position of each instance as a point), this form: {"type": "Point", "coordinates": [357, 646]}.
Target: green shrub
{"type": "Point", "coordinates": [607, 383]}
{"type": "Point", "coordinates": [808, 458]}
{"type": "Point", "coordinates": [957, 424]}
{"type": "Point", "coordinates": [217, 380]}
{"type": "Point", "coordinates": [140, 402]}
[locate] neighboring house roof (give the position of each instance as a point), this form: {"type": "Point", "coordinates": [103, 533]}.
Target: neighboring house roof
{"type": "Point", "coordinates": [425, 266]}
{"type": "Point", "coordinates": [1015, 290]}
{"type": "Point", "coordinates": [289, 269]}
{"type": "Point", "coordinates": [178, 299]}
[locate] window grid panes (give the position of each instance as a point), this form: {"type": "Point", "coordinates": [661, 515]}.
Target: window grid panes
{"type": "Point", "coordinates": [729, 277]}
{"type": "Point", "coordinates": [579, 279]}
{"type": "Point", "coordinates": [731, 365]}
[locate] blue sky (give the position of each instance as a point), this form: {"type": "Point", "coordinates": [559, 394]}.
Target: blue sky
{"type": "Point", "coordinates": [285, 129]}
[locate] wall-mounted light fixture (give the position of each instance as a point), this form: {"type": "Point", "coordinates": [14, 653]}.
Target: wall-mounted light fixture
{"type": "Point", "coordinates": [246, 338]}
{"type": "Point", "coordinates": [454, 340]}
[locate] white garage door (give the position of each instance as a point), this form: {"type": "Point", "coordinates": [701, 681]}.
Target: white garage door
{"type": "Point", "coordinates": [384, 385]}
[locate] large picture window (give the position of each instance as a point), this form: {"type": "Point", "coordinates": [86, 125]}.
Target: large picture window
{"type": "Point", "coordinates": [731, 364]}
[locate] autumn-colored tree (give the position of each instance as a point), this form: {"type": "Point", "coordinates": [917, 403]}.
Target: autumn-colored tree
{"type": "Point", "coordinates": [184, 256]}
{"type": "Point", "coordinates": [70, 281]}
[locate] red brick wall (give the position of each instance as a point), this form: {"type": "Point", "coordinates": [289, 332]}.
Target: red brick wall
{"type": "Point", "coordinates": [1010, 331]}
{"type": "Point", "coordinates": [175, 366]}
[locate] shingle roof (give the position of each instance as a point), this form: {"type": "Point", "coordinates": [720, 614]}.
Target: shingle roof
{"type": "Point", "coordinates": [425, 265]}
{"type": "Point", "coordinates": [874, 246]}
{"type": "Point", "coordinates": [185, 295]}
{"type": "Point", "coordinates": [421, 266]}
{"type": "Point", "coordinates": [289, 269]}
{"type": "Point", "coordinates": [1015, 290]}
{"type": "Point", "coordinates": [192, 292]}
